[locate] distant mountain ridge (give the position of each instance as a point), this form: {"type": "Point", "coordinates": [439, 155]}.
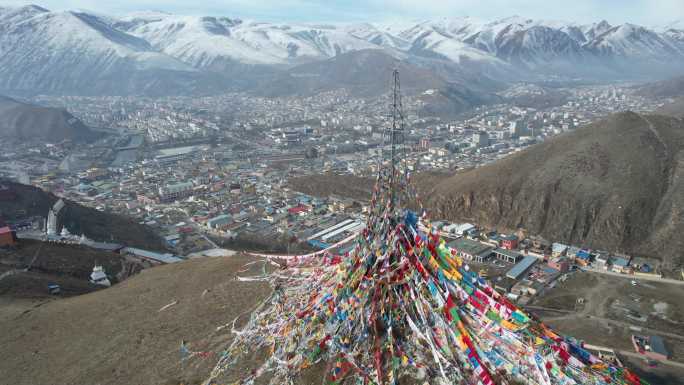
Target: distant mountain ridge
{"type": "Point", "coordinates": [21, 121]}
{"type": "Point", "coordinates": [78, 53]}
{"type": "Point", "coordinates": [156, 53]}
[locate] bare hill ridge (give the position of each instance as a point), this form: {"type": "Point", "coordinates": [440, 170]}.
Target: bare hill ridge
{"type": "Point", "coordinates": [676, 108]}
{"type": "Point", "coordinates": [23, 121]}
{"type": "Point", "coordinates": [615, 184]}
{"type": "Point", "coordinates": [364, 73]}
{"type": "Point", "coordinates": [100, 226]}
{"type": "Point", "coordinates": [36, 264]}
{"type": "Point", "coordinates": [670, 88]}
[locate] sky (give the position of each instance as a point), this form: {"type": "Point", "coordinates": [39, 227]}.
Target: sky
{"type": "Point", "coordinates": [644, 12]}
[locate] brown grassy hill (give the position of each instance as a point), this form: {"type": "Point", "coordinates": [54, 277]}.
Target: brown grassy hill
{"type": "Point", "coordinates": [367, 73]}
{"type": "Point", "coordinates": [664, 89]}
{"type": "Point", "coordinates": [616, 184]}
{"type": "Point", "coordinates": [97, 225]}
{"type": "Point", "coordinates": [676, 108]}
{"type": "Point", "coordinates": [119, 336]}
{"type": "Point", "coordinates": [348, 186]}
{"type": "Point", "coordinates": [67, 265]}
{"type": "Point", "coordinates": [23, 121]}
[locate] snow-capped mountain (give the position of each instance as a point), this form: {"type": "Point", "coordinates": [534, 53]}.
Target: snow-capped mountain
{"type": "Point", "coordinates": [74, 51]}
{"type": "Point", "coordinates": [675, 31]}
{"type": "Point", "coordinates": [44, 51]}
{"type": "Point", "coordinates": [207, 41]}
{"type": "Point", "coordinates": [677, 25]}
{"type": "Point", "coordinates": [632, 41]}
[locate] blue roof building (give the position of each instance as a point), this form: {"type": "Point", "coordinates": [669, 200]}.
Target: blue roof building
{"type": "Point", "coordinates": [521, 267]}
{"type": "Point", "coordinates": [583, 254]}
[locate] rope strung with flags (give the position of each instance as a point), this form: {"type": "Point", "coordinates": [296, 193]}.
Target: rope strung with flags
{"type": "Point", "coordinates": [399, 305]}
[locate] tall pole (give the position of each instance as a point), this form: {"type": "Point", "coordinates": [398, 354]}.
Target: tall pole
{"type": "Point", "coordinates": [397, 126]}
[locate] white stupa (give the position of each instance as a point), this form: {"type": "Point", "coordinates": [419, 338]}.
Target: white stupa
{"type": "Point", "coordinates": [99, 277]}
{"type": "Point", "coordinates": [51, 227]}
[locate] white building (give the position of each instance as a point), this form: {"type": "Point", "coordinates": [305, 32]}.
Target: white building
{"type": "Point", "coordinates": [98, 276]}
{"type": "Point", "coordinates": [516, 129]}
{"type": "Point", "coordinates": [52, 218]}
{"type": "Point", "coordinates": [480, 139]}
{"type": "Point", "coordinates": [51, 227]}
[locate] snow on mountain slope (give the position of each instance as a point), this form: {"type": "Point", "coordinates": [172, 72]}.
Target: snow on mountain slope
{"type": "Point", "coordinates": [629, 40]}
{"type": "Point", "coordinates": [57, 50]}
{"type": "Point", "coordinates": [528, 42]}
{"type": "Point", "coordinates": [44, 50]}
{"type": "Point", "coordinates": [198, 41]}
{"type": "Point", "coordinates": [376, 36]}
{"type": "Point", "coordinates": [204, 41]}
{"type": "Point", "coordinates": [445, 45]}
{"type": "Point", "coordinates": [592, 31]}
{"type": "Point", "coordinates": [13, 15]}
{"type": "Point", "coordinates": [675, 32]}
{"type": "Point", "coordinates": [442, 39]}
{"type": "Point", "coordinates": [677, 24]}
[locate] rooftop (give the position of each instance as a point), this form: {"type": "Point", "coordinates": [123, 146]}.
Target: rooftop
{"type": "Point", "coordinates": [618, 261]}
{"type": "Point", "coordinates": [657, 345]}
{"type": "Point", "coordinates": [469, 246]}
{"type": "Point", "coordinates": [521, 267]}
{"type": "Point", "coordinates": [508, 253]}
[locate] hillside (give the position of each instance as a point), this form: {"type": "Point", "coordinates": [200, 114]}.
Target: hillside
{"type": "Point", "coordinates": [367, 73]}
{"type": "Point", "coordinates": [66, 265]}
{"type": "Point", "coordinates": [31, 201]}
{"type": "Point", "coordinates": [676, 108]}
{"type": "Point", "coordinates": [347, 186]}
{"type": "Point", "coordinates": [120, 336]}
{"type": "Point", "coordinates": [615, 184]}
{"type": "Point", "coordinates": [350, 186]}
{"type": "Point", "coordinates": [671, 88]}
{"type": "Point", "coordinates": [21, 121]}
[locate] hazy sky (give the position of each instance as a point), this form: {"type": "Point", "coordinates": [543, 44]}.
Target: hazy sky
{"type": "Point", "coordinates": [646, 12]}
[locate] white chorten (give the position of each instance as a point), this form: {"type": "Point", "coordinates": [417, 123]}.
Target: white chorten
{"type": "Point", "coordinates": [99, 277]}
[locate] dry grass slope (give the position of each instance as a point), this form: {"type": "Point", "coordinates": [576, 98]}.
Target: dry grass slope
{"type": "Point", "coordinates": [614, 184]}
{"type": "Point", "coordinates": [119, 336]}
{"type": "Point", "coordinates": [617, 184]}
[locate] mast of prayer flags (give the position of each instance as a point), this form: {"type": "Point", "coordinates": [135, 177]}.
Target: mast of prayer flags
{"type": "Point", "coordinates": [400, 305]}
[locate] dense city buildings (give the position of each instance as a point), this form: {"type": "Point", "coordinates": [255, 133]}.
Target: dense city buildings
{"type": "Point", "coordinates": [217, 167]}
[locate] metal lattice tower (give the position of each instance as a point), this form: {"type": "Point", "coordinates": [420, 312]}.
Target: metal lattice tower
{"type": "Point", "coordinates": [392, 172]}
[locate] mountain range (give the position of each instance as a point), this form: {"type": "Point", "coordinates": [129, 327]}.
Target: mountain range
{"type": "Point", "coordinates": [156, 53]}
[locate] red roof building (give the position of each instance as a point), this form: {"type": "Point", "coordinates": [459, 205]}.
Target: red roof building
{"type": "Point", "coordinates": [298, 210]}
{"type": "Point", "coordinates": [509, 242]}
{"type": "Point", "coordinates": [7, 237]}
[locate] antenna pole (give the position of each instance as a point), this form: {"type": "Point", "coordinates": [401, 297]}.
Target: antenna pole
{"type": "Point", "coordinates": [397, 127]}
